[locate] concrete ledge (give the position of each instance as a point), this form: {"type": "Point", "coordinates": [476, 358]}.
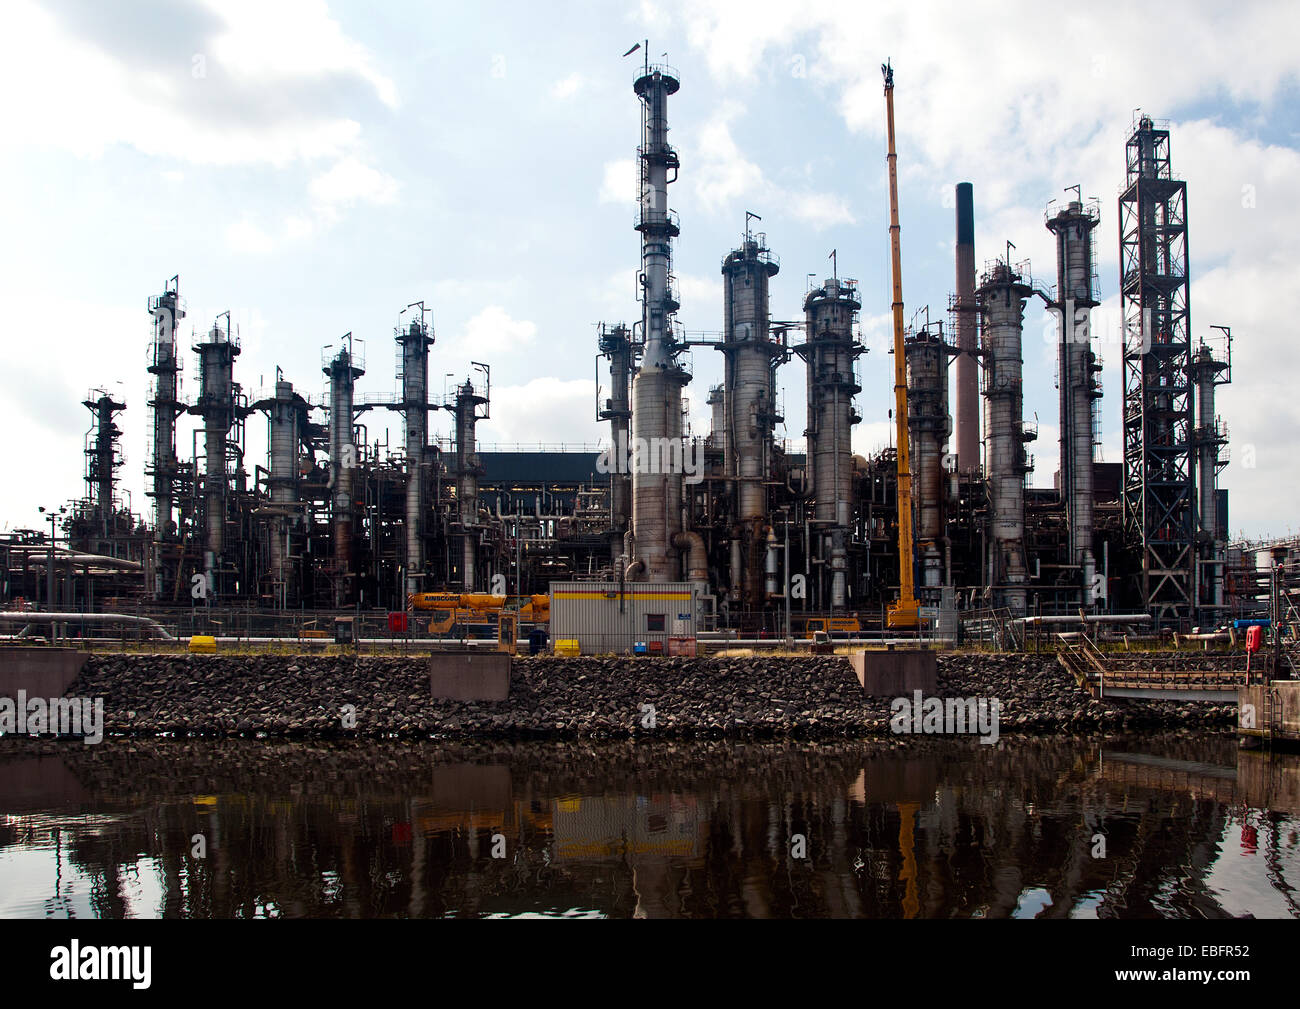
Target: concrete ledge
{"type": "Point", "coordinates": [1281, 699]}
{"type": "Point", "coordinates": [41, 672]}
{"type": "Point", "coordinates": [896, 673]}
{"type": "Point", "coordinates": [469, 676]}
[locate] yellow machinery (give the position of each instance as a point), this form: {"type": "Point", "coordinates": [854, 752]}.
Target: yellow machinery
{"type": "Point", "coordinates": [902, 614]}
{"type": "Point", "coordinates": [834, 626]}
{"type": "Point", "coordinates": [451, 608]}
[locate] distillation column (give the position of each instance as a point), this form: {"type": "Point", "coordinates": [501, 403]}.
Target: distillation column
{"type": "Point", "coordinates": [1211, 436]}
{"type": "Point", "coordinates": [831, 353]}
{"type": "Point", "coordinates": [928, 426]}
{"type": "Point", "coordinates": [657, 388]}
{"type": "Point", "coordinates": [102, 456]}
{"type": "Point", "coordinates": [965, 313]}
{"type": "Point", "coordinates": [343, 370]}
{"type": "Point", "coordinates": [467, 474]}
{"type": "Point", "coordinates": [1001, 297]}
{"type": "Point", "coordinates": [1077, 370]}
{"type": "Point", "coordinates": [414, 341]}
{"type": "Point", "coordinates": [216, 405]}
{"type": "Point", "coordinates": [750, 409]}
{"type": "Point", "coordinates": [164, 405]}
{"type": "Point", "coordinates": [616, 344]}
{"type": "Point", "coordinates": [286, 418]}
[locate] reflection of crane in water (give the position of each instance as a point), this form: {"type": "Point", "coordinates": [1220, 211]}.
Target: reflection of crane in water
{"type": "Point", "coordinates": [907, 846]}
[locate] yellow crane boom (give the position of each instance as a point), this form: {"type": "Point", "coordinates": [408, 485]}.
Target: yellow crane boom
{"type": "Point", "coordinates": [904, 612]}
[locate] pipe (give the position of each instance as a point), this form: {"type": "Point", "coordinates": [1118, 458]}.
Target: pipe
{"type": "Point", "coordinates": [1092, 618]}
{"type": "Point", "coordinates": [74, 559]}
{"type": "Point", "coordinates": [87, 618]}
{"type": "Point", "coordinates": [697, 563]}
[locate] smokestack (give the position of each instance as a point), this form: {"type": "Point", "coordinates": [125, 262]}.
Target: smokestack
{"type": "Point", "coordinates": [966, 415]}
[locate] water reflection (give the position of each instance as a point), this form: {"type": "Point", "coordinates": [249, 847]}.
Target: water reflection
{"type": "Point", "coordinates": [1190, 828]}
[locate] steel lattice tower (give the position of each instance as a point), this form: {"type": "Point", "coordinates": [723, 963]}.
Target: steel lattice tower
{"type": "Point", "coordinates": [1159, 499]}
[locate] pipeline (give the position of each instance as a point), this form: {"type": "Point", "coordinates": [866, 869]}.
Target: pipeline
{"type": "Point", "coordinates": [88, 618]}
{"type": "Point", "coordinates": [697, 562]}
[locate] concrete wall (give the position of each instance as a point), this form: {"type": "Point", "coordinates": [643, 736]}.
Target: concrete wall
{"type": "Point", "coordinates": [470, 676]}
{"type": "Point", "coordinates": [1285, 706]}
{"type": "Point", "coordinates": [896, 673]}
{"type": "Point", "coordinates": [42, 672]}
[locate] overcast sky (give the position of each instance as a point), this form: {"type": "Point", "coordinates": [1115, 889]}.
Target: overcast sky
{"type": "Point", "coordinates": [313, 167]}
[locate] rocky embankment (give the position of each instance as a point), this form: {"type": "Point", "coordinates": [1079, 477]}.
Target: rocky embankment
{"type": "Point", "coordinates": [590, 698]}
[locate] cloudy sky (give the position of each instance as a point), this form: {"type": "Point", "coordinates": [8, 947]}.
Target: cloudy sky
{"type": "Point", "coordinates": [313, 167]}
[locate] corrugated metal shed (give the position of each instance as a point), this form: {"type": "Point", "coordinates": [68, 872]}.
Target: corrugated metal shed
{"type": "Point", "coordinates": [605, 620]}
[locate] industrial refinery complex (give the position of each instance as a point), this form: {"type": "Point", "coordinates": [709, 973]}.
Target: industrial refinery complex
{"type": "Point", "coordinates": [922, 538]}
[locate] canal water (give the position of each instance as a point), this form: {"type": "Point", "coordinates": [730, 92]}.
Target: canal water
{"type": "Point", "coordinates": [1176, 826]}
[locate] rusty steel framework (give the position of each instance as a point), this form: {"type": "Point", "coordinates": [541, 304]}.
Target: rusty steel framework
{"type": "Point", "coordinates": [1159, 492]}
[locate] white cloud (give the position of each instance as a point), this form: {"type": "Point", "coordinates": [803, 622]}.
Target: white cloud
{"type": "Point", "coordinates": [245, 236]}
{"type": "Point", "coordinates": [352, 181]}
{"type": "Point", "coordinates": [544, 410]}
{"type": "Point", "coordinates": [619, 182]}
{"type": "Point", "coordinates": [492, 333]}
{"type": "Point", "coordinates": [566, 87]}
{"type": "Point", "coordinates": [198, 107]}
{"type": "Point", "coordinates": [724, 177]}
{"type": "Point", "coordinates": [724, 173]}
{"type": "Point", "coordinates": [819, 210]}
{"type": "Point", "coordinates": [701, 299]}
{"type": "Point", "coordinates": [266, 44]}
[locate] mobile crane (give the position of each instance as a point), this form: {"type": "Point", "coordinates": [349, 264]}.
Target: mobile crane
{"type": "Point", "coordinates": [902, 614]}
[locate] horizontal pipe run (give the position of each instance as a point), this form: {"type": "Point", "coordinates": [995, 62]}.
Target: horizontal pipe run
{"type": "Point", "coordinates": [98, 619]}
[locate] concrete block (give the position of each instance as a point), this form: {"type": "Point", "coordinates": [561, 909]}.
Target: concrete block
{"type": "Point", "coordinates": [896, 673]}
{"type": "Point", "coordinates": [42, 672]}
{"type": "Point", "coordinates": [470, 676]}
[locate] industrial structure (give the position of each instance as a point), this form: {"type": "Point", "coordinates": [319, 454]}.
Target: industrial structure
{"type": "Point", "coordinates": [760, 534]}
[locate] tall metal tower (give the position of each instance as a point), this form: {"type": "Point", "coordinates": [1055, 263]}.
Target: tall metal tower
{"type": "Point", "coordinates": [343, 369]}
{"type": "Point", "coordinates": [1077, 368]}
{"type": "Point", "coordinates": [657, 388]}
{"type": "Point", "coordinates": [219, 404]}
{"type": "Point", "coordinates": [1209, 438]}
{"type": "Point", "coordinates": [103, 457]}
{"type": "Point", "coordinates": [831, 351]}
{"type": "Point", "coordinates": [750, 407]}
{"type": "Point", "coordinates": [167, 310]}
{"type": "Point", "coordinates": [966, 419]}
{"type": "Point", "coordinates": [414, 338]}
{"type": "Point", "coordinates": [615, 343]}
{"type": "Point", "coordinates": [470, 405]}
{"type": "Point", "coordinates": [1159, 493]}
{"type": "Point", "coordinates": [1004, 288]}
